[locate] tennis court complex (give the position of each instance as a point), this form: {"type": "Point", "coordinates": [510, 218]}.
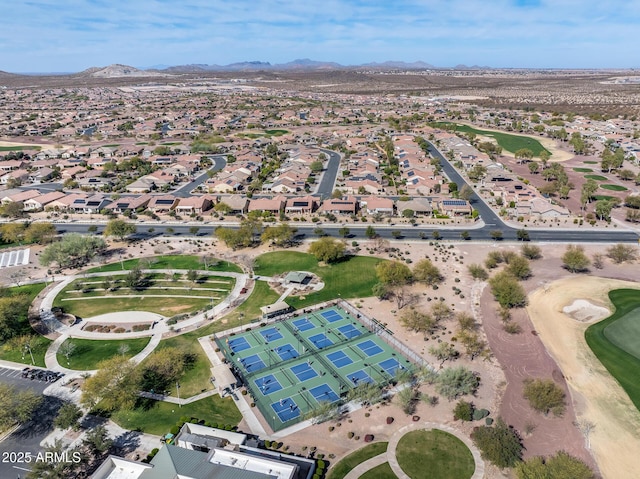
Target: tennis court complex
{"type": "Point", "coordinates": [290, 367]}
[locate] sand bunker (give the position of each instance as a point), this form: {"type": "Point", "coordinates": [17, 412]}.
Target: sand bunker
{"type": "Point", "coordinates": [583, 310]}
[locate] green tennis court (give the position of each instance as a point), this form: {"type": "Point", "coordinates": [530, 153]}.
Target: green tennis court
{"type": "Point", "coordinates": [291, 367]}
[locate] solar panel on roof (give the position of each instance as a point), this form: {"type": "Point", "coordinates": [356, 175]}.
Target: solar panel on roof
{"type": "Point", "coordinates": [454, 203]}
{"type": "Point", "coordinates": [164, 202]}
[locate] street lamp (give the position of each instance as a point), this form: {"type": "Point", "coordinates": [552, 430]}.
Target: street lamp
{"type": "Point", "coordinates": [28, 348]}
{"type": "Point", "coordinates": [178, 391]}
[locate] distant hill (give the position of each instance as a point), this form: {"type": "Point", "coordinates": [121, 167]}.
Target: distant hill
{"type": "Point", "coordinates": [117, 71]}
{"type": "Point", "coordinates": [399, 65]}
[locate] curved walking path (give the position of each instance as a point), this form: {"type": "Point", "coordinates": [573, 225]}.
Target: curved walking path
{"type": "Point", "coordinates": [156, 333]}
{"type": "Point", "coordinates": [390, 455]}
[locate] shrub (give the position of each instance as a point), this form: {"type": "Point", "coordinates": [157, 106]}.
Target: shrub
{"type": "Point", "coordinates": [389, 420]}
{"type": "Point", "coordinates": [463, 411]}
{"type": "Point", "coordinates": [368, 438]}
{"type": "Point", "coordinates": [350, 434]}
{"type": "Point", "coordinates": [480, 414]}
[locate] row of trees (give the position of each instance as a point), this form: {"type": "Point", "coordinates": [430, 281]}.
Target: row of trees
{"type": "Point", "coordinates": [40, 233]}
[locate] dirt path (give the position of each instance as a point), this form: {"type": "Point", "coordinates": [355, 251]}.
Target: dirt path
{"type": "Point", "coordinates": [615, 440]}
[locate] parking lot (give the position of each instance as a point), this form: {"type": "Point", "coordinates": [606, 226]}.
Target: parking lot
{"type": "Point", "coordinates": [15, 378]}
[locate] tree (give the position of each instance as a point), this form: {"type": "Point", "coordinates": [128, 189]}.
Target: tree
{"type": "Point", "coordinates": [544, 396]}
{"type": "Point", "coordinates": [622, 253]}
{"type": "Point", "coordinates": [327, 249]}
{"type": "Point", "coordinates": [393, 273]}
{"type": "Point", "coordinates": [456, 381]}
{"type": "Point", "coordinates": [192, 275]}
{"type": "Point", "coordinates": [68, 416]}
{"type": "Point", "coordinates": [58, 469]}
{"type": "Point", "coordinates": [531, 252]}
{"type": "Point", "coordinates": [119, 228]}
{"type": "Point", "coordinates": [443, 352]}
{"type": "Point", "coordinates": [193, 230]}
{"type": "Point", "coordinates": [12, 313]}
{"type": "Point", "coordinates": [344, 231]}
{"type": "Point", "coordinates": [603, 209]}
{"type": "Point", "coordinates": [519, 267]}
{"type": "Point", "coordinates": [465, 193]}
{"type": "Point", "coordinates": [575, 260]}
{"type": "Point", "coordinates": [408, 397]}
{"type": "Point", "coordinates": [281, 235]}
{"type": "Point", "coordinates": [559, 466]}
{"type": "Point", "coordinates": [523, 235]}
{"type": "Point", "coordinates": [316, 166]}
{"type": "Point", "coordinates": [114, 386]}
{"type": "Point", "coordinates": [465, 235]}
{"type": "Point", "coordinates": [496, 235]}
{"type": "Point", "coordinates": [135, 280]}
{"type": "Point", "coordinates": [13, 209]}
{"type": "Point", "coordinates": [534, 167]}
{"type": "Point", "coordinates": [67, 349]}
{"type": "Point", "coordinates": [507, 291]}
{"type": "Point", "coordinates": [234, 238]}
{"type": "Point", "coordinates": [370, 232]}
{"type": "Point", "coordinates": [578, 143]}
{"type": "Point", "coordinates": [524, 154]}
{"type": "Point", "coordinates": [589, 189]}
{"type": "Point", "coordinates": [73, 250]}
{"type": "Point", "coordinates": [365, 393]}
{"type": "Point", "coordinates": [426, 272]}
{"type": "Point", "coordinates": [40, 232]}
{"type": "Point", "coordinates": [98, 440]}
{"type": "Point", "coordinates": [13, 232]}
{"type": "Point", "coordinates": [473, 345]}
{"type": "Point", "coordinates": [18, 406]}
{"type": "Point", "coordinates": [325, 411]}
{"type": "Point", "coordinates": [499, 444]}
{"type": "Point", "coordinates": [435, 234]}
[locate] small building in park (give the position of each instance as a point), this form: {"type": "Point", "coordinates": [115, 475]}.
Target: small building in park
{"type": "Point", "coordinates": [276, 309]}
{"type": "Point", "coordinates": [297, 277]}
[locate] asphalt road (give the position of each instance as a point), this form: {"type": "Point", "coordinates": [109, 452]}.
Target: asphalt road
{"type": "Point", "coordinates": [329, 175]}
{"type": "Point", "coordinates": [219, 162]}
{"type": "Point", "coordinates": [26, 439]}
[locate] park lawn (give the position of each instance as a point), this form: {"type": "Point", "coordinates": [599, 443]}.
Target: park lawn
{"type": "Point", "coordinates": [613, 187]}
{"type": "Point", "coordinates": [166, 306]}
{"type": "Point", "coordinates": [354, 277]}
{"type": "Point", "coordinates": [623, 366]}
{"type": "Point", "coordinates": [603, 197]}
{"type": "Point", "coordinates": [583, 170]}
{"type": "Point", "coordinates": [590, 162]}
{"type": "Point", "coordinates": [596, 177]}
{"type": "Point", "coordinates": [184, 262]}
{"type": "Point", "coordinates": [261, 295]}
{"type": "Point", "coordinates": [158, 417]}
{"type": "Point", "coordinates": [40, 344]}
{"type": "Point", "coordinates": [196, 379]}
{"type": "Point", "coordinates": [342, 468]}
{"type": "Point", "coordinates": [442, 454]}
{"type": "Point", "coordinates": [383, 471]}
{"type": "Point", "coordinates": [509, 142]}
{"type": "Point", "coordinates": [625, 332]}
{"type": "Point", "coordinates": [90, 352]}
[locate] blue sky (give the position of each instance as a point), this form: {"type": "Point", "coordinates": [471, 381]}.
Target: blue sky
{"type": "Point", "coordinates": [71, 35]}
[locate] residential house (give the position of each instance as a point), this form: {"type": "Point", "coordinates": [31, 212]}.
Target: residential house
{"type": "Point", "coordinates": [273, 205]}
{"type": "Point", "coordinates": [20, 196]}
{"type": "Point", "coordinates": [376, 205]}
{"type": "Point", "coordinates": [454, 207]}
{"type": "Point", "coordinates": [194, 205]}
{"type": "Point", "coordinates": [302, 205]}
{"type": "Point", "coordinates": [162, 204]}
{"type": "Point", "coordinates": [347, 205]}
{"type": "Point", "coordinates": [40, 202]}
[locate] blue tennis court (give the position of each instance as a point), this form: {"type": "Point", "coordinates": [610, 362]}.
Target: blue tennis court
{"type": "Point", "coordinates": [271, 334]}
{"type": "Point", "coordinates": [304, 371]}
{"type": "Point", "coordinates": [349, 331]}
{"type": "Point", "coordinates": [324, 393]}
{"type": "Point", "coordinates": [286, 409]}
{"type": "Point", "coordinates": [303, 324]}
{"type": "Point", "coordinates": [390, 366]}
{"type": "Point", "coordinates": [358, 377]}
{"type": "Point", "coordinates": [339, 359]}
{"type": "Point", "coordinates": [320, 341]}
{"type": "Point", "coordinates": [331, 316]}
{"type": "Point", "coordinates": [369, 348]}
{"type": "Point", "coordinates": [238, 344]}
{"type": "Point", "coordinates": [253, 363]}
{"type": "Point", "coordinates": [286, 351]}
{"type": "Point", "coordinates": [268, 384]}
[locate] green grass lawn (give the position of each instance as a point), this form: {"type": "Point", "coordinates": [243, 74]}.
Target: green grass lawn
{"type": "Point", "coordinates": [625, 332]}
{"type": "Point", "coordinates": [590, 162]}
{"type": "Point", "coordinates": [39, 344]}
{"type": "Point", "coordinates": [442, 454]}
{"type": "Point", "coordinates": [162, 295]}
{"type": "Point", "coordinates": [507, 141]}
{"type": "Point", "coordinates": [622, 365]}
{"type": "Point", "coordinates": [184, 262]}
{"type": "Point", "coordinates": [352, 278]}
{"type": "Point", "coordinates": [157, 417]}
{"type": "Point", "coordinates": [276, 132]}
{"type": "Point", "coordinates": [19, 148]}
{"type": "Point", "coordinates": [596, 177]}
{"type": "Point", "coordinates": [613, 187]}
{"type": "Point", "coordinates": [583, 170]}
{"type": "Point", "coordinates": [196, 379]}
{"type": "Point", "coordinates": [383, 471]}
{"type": "Point", "coordinates": [89, 352]}
{"type": "Point", "coordinates": [603, 197]}
{"type": "Point", "coordinates": [342, 468]}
